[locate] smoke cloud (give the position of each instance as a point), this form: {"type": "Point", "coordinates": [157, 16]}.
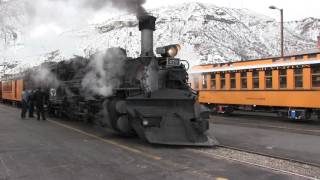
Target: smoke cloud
{"type": "Point", "coordinates": [131, 6]}
{"type": "Point", "coordinates": [105, 72]}
{"type": "Point", "coordinates": [43, 77]}
{"type": "Point", "coordinates": [39, 24]}
{"type": "Point", "coordinates": [73, 9]}
{"type": "Point", "coordinates": [40, 77]}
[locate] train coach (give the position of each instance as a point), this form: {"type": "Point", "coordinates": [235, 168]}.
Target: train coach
{"type": "Point", "coordinates": [289, 86]}
{"type": "Point", "coordinates": [11, 89]}
{"type": "Point", "coordinates": [11, 86]}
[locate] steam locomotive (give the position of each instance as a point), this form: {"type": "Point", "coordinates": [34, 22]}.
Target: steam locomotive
{"type": "Point", "coordinates": [149, 97]}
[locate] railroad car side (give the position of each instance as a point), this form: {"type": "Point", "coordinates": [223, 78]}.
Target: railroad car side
{"type": "Point", "coordinates": [289, 85]}
{"type": "Point", "coordinates": [19, 86]}
{"type": "Point", "coordinates": [7, 90]}
{"type": "Point", "coordinates": [297, 99]}
{"type": "Point", "coordinates": [11, 90]}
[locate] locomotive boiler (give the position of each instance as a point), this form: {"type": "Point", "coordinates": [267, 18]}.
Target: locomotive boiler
{"type": "Point", "coordinates": [151, 97]}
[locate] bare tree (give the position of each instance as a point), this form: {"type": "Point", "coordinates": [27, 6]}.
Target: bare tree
{"type": "Point", "coordinates": [10, 15]}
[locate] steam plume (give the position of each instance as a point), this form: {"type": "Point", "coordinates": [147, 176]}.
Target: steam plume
{"type": "Point", "coordinates": [41, 77]}
{"type": "Point", "coordinates": [105, 72]}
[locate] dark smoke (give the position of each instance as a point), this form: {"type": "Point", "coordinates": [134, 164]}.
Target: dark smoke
{"type": "Point", "coordinates": [132, 6]}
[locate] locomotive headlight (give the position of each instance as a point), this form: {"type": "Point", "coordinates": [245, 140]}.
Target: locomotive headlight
{"type": "Point", "coordinates": [168, 51]}
{"type": "Point", "coordinates": [145, 123]}
{"type": "Point", "coordinates": [172, 52]}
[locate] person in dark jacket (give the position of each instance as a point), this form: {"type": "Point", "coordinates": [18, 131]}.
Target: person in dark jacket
{"type": "Point", "coordinates": [31, 103]}
{"type": "Point", "coordinates": [24, 103]}
{"type": "Point", "coordinates": [39, 99]}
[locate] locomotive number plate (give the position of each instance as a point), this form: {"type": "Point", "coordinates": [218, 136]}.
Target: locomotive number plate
{"type": "Point", "coordinates": [173, 62]}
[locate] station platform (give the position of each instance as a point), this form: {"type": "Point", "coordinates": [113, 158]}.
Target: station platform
{"type": "Point", "coordinates": [62, 150]}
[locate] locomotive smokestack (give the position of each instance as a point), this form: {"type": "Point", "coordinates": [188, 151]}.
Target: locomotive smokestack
{"type": "Point", "coordinates": [147, 26]}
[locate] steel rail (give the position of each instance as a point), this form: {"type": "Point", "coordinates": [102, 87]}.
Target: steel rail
{"type": "Point", "coordinates": [271, 156]}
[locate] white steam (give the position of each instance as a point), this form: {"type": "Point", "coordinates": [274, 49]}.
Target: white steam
{"type": "Point", "coordinates": [106, 70]}
{"type": "Point", "coordinates": [43, 77]}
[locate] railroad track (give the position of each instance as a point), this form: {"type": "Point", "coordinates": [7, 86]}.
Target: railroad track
{"type": "Point", "coordinates": [271, 156]}
{"type": "Point", "coordinates": [315, 132]}
{"type": "Point", "coordinates": [263, 126]}
{"type": "Point", "coordinates": [301, 169]}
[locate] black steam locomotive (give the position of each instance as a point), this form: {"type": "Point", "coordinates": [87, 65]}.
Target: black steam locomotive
{"type": "Point", "coordinates": [148, 96]}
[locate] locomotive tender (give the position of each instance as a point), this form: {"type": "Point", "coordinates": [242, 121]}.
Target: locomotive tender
{"type": "Point", "coordinates": [153, 98]}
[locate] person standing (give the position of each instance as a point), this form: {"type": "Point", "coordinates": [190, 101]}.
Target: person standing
{"type": "Point", "coordinates": [24, 103]}
{"type": "Point", "coordinates": [39, 99]}
{"type": "Point", "coordinates": [31, 103]}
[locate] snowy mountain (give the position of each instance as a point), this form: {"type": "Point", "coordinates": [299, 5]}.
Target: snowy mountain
{"type": "Point", "coordinates": [207, 34]}
{"type": "Point", "coordinates": [307, 28]}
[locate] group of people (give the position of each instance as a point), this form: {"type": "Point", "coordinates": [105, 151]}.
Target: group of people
{"type": "Point", "coordinates": [33, 99]}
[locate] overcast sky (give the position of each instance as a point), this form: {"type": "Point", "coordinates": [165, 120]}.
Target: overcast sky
{"type": "Point", "coordinates": [293, 9]}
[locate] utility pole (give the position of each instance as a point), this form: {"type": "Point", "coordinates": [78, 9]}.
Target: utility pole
{"type": "Point", "coordinates": [281, 29]}
{"type": "Point", "coordinates": [282, 45]}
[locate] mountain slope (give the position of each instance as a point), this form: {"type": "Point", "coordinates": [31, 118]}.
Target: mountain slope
{"type": "Point", "coordinates": [207, 33]}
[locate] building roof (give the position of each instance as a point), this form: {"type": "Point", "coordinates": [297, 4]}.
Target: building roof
{"type": "Point", "coordinates": [258, 66]}
{"type": "Point", "coordinates": [294, 53]}
{"type": "Point", "coordinates": [304, 52]}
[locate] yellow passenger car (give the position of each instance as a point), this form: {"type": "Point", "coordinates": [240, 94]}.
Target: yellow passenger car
{"type": "Point", "coordinates": [289, 85]}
